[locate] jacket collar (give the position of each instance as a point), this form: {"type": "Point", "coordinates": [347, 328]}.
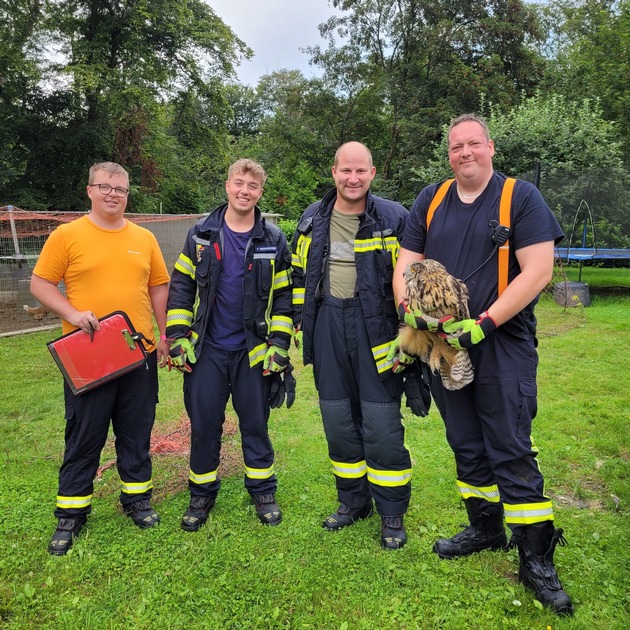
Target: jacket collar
{"type": "Point", "coordinates": [328, 203]}
{"type": "Point", "coordinates": [216, 220]}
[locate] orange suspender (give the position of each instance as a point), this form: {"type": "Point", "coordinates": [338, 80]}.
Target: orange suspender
{"type": "Point", "coordinates": [437, 200]}
{"type": "Point", "coordinates": [504, 219]}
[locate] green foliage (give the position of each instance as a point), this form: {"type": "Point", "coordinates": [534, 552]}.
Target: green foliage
{"type": "Point", "coordinates": [288, 227]}
{"type": "Point", "coordinates": [289, 193]}
{"type": "Point", "coordinates": [591, 39]}
{"type": "Point", "coordinates": [580, 156]}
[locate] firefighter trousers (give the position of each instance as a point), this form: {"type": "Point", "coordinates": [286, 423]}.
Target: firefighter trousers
{"type": "Point", "coordinates": [360, 412]}
{"type": "Point", "coordinates": [129, 403]}
{"type": "Point", "coordinates": [216, 375]}
{"type": "Point", "coordinates": [488, 426]}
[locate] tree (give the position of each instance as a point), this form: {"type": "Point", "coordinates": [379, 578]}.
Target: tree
{"type": "Point", "coordinates": [579, 153]}
{"type": "Point", "coordinates": [590, 43]}
{"type": "Point", "coordinates": [429, 60]}
{"type": "Point", "coordinates": [117, 63]}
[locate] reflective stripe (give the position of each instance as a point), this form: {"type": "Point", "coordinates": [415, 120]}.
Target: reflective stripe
{"type": "Point", "coordinates": [185, 266]}
{"type": "Point", "coordinates": [388, 243]}
{"type": "Point", "coordinates": [280, 323]}
{"type": "Point", "coordinates": [257, 354]}
{"type": "Point", "coordinates": [136, 488]}
{"type": "Point", "coordinates": [380, 357]}
{"type": "Point", "coordinates": [179, 317]}
{"type": "Point", "coordinates": [528, 513]}
{"type": "Point", "coordinates": [489, 493]}
{"type": "Point", "coordinates": [259, 473]}
{"type": "Point", "coordinates": [302, 247]}
{"type": "Point", "coordinates": [349, 471]}
{"type": "Point", "coordinates": [74, 502]}
{"type": "Point", "coordinates": [389, 477]}
{"type": "Point", "coordinates": [298, 295]}
{"type": "Point", "coordinates": [295, 260]}
{"type": "Point", "coordinates": [282, 279]}
{"type": "Point", "coordinates": [205, 478]}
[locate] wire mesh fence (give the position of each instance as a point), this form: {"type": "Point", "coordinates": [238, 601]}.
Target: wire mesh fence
{"type": "Point", "coordinates": [22, 236]}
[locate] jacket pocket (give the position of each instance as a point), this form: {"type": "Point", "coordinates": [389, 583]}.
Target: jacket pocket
{"type": "Point", "coordinates": [264, 278]}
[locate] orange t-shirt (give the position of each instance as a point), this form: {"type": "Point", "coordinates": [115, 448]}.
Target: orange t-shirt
{"type": "Point", "coordinates": [105, 270]}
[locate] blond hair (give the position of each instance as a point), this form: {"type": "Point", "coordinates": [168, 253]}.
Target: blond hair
{"type": "Point", "coordinates": [246, 166]}
{"type": "Point", "coordinates": [109, 167]}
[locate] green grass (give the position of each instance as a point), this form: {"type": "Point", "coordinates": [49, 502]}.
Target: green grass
{"type": "Point", "coordinates": [599, 277]}
{"type": "Point", "coordinates": [237, 574]}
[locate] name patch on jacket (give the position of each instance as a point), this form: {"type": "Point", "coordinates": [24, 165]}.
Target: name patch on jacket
{"type": "Point", "coordinates": [265, 251]}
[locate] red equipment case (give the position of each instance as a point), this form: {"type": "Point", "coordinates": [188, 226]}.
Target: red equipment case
{"type": "Point", "coordinates": [87, 361]}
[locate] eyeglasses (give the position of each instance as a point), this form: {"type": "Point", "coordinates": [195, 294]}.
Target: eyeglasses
{"type": "Point", "coordinates": [106, 189]}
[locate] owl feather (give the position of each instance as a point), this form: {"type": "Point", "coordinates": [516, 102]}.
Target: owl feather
{"type": "Point", "coordinates": [435, 292]}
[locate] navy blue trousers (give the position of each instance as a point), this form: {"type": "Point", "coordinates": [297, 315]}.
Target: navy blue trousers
{"type": "Point", "coordinates": [129, 403]}
{"type": "Point", "coordinates": [207, 389]}
{"type": "Point", "coordinates": [360, 411]}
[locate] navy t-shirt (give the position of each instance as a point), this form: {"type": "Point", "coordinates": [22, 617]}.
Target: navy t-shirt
{"type": "Point", "coordinates": [225, 327]}
{"type": "Point", "coordinates": [460, 237]}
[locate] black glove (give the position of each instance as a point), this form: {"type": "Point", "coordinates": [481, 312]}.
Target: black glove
{"type": "Point", "coordinates": [282, 384]}
{"type": "Point", "coordinates": [289, 385]}
{"type": "Point", "coordinates": [276, 390]}
{"type": "Point", "coordinates": [416, 381]}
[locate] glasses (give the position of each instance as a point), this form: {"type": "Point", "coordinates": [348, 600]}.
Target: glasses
{"type": "Point", "coordinates": [106, 189]}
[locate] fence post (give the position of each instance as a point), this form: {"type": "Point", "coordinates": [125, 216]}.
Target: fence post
{"type": "Point", "coordinates": [16, 244]}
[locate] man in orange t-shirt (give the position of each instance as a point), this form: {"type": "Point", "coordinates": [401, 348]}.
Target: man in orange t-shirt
{"type": "Point", "coordinates": [107, 264]}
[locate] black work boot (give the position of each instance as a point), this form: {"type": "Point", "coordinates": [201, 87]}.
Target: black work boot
{"type": "Point", "coordinates": [67, 530]}
{"type": "Point", "coordinates": [485, 531]}
{"type": "Point", "coordinates": [267, 509]}
{"type": "Point", "coordinates": [197, 513]}
{"type": "Point", "coordinates": [141, 513]}
{"type": "Point", "coordinates": [393, 535]}
{"type": "Point", "coordinates": [536, 544]}
{"type": "Point", "coordinates": [345, 516]}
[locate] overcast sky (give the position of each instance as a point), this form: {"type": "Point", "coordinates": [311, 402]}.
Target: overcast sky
{"type": "Point", "coordinates": [275, 30]}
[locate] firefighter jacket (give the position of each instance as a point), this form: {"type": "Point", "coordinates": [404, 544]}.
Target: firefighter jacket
{"type": "Point", "coordinates": [266, 285]}
{"type": "Point", "coordinates": [376, 246]}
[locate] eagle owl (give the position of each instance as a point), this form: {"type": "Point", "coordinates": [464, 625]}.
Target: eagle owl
{"type": "Point", "coordinates": [435, 292]}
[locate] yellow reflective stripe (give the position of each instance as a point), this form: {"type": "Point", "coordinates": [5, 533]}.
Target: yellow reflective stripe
{"type": "Point", "coordinates": [349, 471]}
{"type": "Point", "coordinates": [269, 308]}
{"type": "Point", "coordinates": [136, 488]}
{"type": "Point", "coordinates": [257, 354]}
{"type": "Point", "coordinates": [380, 357]}
{"type": "Point", "coordinates": [389, 478]}
{"type": "Point", "coordinates": [74, 502]}
{"type": "Point", "coordinates": [280, 323]}
{"type": "Point", "coordinates": [379, 352]}
{"type": "Point", "coordinates": [528, 513]}
{"type": "Point", "coordinates": [366, 245]}
{"type": "Point", "coordinates": [179, 317]}
{"type": "Point", "coordinates": [282, 279]}
{"type": "Point", "coordinates": [298, 296]}
{"type": "Point", "coordinates": [296, 261]}
{"type": "Point", "coordinates": [302, 248]}
{"type": "Point", "coordinates": [259, 473]}
{"type": "Point", "coordinates": [186, 266]}
{"type": "Point", "coordinates": [383, 365]}
{"type": "Point", "coordinates": [204, 478]}
{"type": "Point", "coordinates": [489, 493]}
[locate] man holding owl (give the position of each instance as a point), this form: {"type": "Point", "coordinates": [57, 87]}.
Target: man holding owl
{"type": "Point", "coordinates": [488, 422]}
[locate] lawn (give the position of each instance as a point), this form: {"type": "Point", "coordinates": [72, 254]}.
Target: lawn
{"type": "Point", "coordinates": [237, 574]}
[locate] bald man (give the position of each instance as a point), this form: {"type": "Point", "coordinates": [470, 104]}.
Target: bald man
{"type": "Point", "coordinates": [344, 252]}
